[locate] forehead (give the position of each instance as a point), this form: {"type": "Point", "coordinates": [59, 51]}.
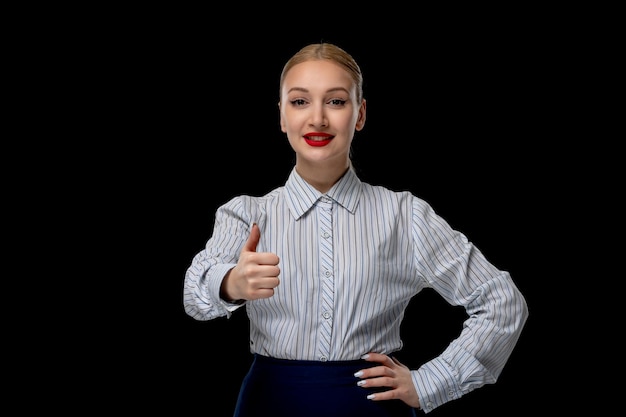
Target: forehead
{"type": "Point", "coordinates": [318, 74]}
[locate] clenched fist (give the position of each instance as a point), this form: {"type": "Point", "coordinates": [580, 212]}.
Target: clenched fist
{"type": "Point", "coordinates": [255, 275]}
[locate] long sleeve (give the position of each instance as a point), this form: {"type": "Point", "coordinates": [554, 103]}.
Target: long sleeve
{"type": "Point", "coordinates": [351, 260]}
{"type": "Point", "coordinates": [496, 311]}
{"type": "Point", "coordinates": [203, 278]}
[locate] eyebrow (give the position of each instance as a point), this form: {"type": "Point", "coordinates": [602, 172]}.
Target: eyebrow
{"type": "Point", "coordinates": [332, 90]}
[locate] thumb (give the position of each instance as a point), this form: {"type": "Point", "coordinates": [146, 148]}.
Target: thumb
{"type": "Point", "coordinates": [253, 239]}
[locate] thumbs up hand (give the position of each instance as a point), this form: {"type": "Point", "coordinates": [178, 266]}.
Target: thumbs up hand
{"type": "Point", "coordinates": [255, 275]}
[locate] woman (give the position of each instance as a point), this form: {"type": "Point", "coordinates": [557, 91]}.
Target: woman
{"type": "Point", "coordinates": [326, 265]}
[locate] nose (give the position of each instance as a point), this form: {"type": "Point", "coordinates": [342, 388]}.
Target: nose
{"type": "Point", "coordinates": [318, 116]}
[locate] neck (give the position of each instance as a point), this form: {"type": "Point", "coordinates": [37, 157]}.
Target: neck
{"type": "Point", "coordinates": [321, 178]}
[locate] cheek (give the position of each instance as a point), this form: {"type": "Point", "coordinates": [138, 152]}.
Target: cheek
{"type": "Point", "coordinates": [342, 121]}
{"type": "Point", "coordinates": [291, 121]}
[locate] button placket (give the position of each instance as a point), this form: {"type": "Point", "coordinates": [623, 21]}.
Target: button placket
{"type": "Point", "coordinates": [325, 206]}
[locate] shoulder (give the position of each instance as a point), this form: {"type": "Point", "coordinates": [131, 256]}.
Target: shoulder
{"type": "Point", "coordinates": [248, 199]}
{"type": "Point", "coordinates": [400, 200]}
{"type": "Point", "coordinates": [380, 191]}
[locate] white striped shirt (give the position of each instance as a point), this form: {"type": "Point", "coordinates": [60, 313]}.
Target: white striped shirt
{"type": "Point", "coordinates": [386, 247]}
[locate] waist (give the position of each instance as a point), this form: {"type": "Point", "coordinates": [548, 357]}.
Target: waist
{"type": "Point", "coordinates": [299, 362]}
{"type": "Point", "coordinates": [306, 388]}
{"type": "Point", "coordinates": [339, 371]}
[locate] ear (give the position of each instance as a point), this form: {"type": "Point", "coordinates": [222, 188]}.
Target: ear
{"type": "Point", "coordinates": [282, 123]}
{"type": "Point", "coordinates": [362, 113]}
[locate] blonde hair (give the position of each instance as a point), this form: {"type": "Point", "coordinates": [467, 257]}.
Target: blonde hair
{"type": "Point", "coordinates": [326, 51]}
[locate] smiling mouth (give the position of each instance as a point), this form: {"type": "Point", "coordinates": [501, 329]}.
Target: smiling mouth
{"type": "Point", "coordinates": [318, 140]}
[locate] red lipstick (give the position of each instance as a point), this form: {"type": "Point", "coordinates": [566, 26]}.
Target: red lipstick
{"type": "Point", "coordinates": [318, 138]}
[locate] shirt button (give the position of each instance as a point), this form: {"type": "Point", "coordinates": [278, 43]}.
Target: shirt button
{"type": "Point", "coordinates": [327, 273]}
{"type": "Point", "coordinates": [325, 235]}
{"type": "Point", "coordinates": [323, 358]}
{"type": "Point", "coordinates": [326, 314]}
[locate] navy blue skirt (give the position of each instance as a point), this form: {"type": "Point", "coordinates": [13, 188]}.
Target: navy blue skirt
{"type": "Point", "coordinates": [290, 388]}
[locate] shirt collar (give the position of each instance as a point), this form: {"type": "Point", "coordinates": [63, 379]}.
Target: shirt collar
{"type": "Point", "coordinates": [301, 196]}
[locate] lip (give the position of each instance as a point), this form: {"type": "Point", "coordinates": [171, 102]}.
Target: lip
{"type": "Point", "coordinates": [318, 138]}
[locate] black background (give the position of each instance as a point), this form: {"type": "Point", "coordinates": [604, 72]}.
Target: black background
{"type": "Point", "coordinates": [177, 113]}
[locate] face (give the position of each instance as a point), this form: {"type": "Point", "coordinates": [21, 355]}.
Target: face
{"type": "Point", "coordinates": [319, 112]}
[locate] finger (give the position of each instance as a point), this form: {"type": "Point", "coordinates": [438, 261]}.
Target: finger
{"type": "Point", "coordinates": [384, 379]}
{"type": "Point", "coordinates": [377, 357]}
{"type": "Point", "coordinates": [384, 395]}
{"type": "Point", "coordinates": [266, 283]}
{"type": "Point", "coordinates": [253, 239]}
{"type": "Point", "coordinates": [374, 371]}
{"type": "Point", "coordinates": [397, 363]}
{"type": "Point", "coordinates": [380, 374]}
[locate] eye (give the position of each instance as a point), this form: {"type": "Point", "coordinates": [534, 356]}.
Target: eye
{"type": "Point", "coordinates": [337, 102]}
{"type": "Point", "coordinates": [298, 102]}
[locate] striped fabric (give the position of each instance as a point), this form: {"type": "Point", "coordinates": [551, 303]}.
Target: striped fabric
{"type": "Point", "coordinates": [350, 261]}
{"type": "Point", "coordinates": [326, 276]}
